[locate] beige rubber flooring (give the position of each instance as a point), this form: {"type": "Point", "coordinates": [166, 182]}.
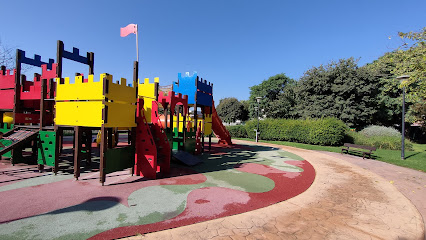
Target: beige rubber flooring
{"type": "Point", "coordinates": [351, 198]}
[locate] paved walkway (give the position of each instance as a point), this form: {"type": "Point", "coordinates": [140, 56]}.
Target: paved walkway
{"type": "Point", "coordinates": [344, 202]}
{"type": "Point", "coordinates": [411, 183]}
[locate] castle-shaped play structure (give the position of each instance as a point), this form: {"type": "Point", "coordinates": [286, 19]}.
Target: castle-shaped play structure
{"type": "Point", "coordinates": [159, 125]}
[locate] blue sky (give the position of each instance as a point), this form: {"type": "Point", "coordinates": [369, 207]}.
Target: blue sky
{"type": "Point", "coordinates": [234, 44]}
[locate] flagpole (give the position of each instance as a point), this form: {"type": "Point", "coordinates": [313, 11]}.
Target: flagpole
{"type": "Point", "coordinates": [137, 47]}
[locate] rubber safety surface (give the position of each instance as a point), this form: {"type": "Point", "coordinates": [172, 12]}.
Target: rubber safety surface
{"type": "Point", "coordinates": [230, 180]}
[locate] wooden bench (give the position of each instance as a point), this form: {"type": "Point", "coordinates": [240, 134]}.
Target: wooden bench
{"type": "Point", "coordinates": [357, 148]}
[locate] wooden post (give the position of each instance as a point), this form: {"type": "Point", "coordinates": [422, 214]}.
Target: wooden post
{"type": "Point", "coordinates": [42, 103]}
{"type": "Point", "coordinates": [77, 151]}
{"type": "Point", "coordinates": [184, 125]}
{"type": "Point", "coordinates": [17, 97]}
{"type": "Point", "coordinates": [195, 118]}
{"type": "Point", "coordinates": [102, 155]}
{"type": "Point", "coordinates": [109, 131]}
{"type": "Point", "coordinates": [203, 112]}
{"type": "Point", "coordinates": [59, 52]}
{"type": "Point", "coordinates": [91, 62]}
{"type": "Point", "coordinates": [88, 144]}
{"type": "Point", "coordinates": [103, 146]}
{"type": "Point", "coordinates": [57, 149]}
{"type": "Point", "coordinates": [210, 136]}
{"type": "Point", "coordinates": [129, 136]}
{"type": "Point", "coordinates": [133, 142]}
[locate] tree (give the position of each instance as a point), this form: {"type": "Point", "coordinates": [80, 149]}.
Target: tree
{"type": "Point", "coordinates": [411, 60]}
{"type": "Point", "coordinates": [339, 89]}
{"type": "Point", "coordinates": [277, 97]}
{"type": "Point", "coordinates": [230, 110]}
{"type": "Point", "coordinates": [245, 115]}
{"type": "Point", "coordinates": [407, 59]}
{"type": "Point", "coordinates": [389, 93]}
{"type": "Point", "coordinates": [6, 56]}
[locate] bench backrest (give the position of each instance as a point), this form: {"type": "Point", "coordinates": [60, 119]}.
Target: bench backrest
{"type": "Point", "coordinates": [359, 146]}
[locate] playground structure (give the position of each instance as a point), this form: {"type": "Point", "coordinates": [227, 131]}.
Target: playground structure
{"type": "Point", "coordinates": [34, 114]}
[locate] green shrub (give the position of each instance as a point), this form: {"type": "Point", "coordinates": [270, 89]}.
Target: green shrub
{"type": "Point", "coordinates": [237, 131]}
{"type": "Point", "coordinates": [380, 142]}
{"type": "Point", "coordinates": [325, 131]}
{"type": "Point", "coordinates": [374, 130]}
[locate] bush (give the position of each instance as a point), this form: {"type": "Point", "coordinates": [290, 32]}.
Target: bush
{"type": "Point", "coordinates": [324, 131]}
{"type": "Point", "coordinates": [380, 142]}
{"type": "Point", "coordinates": [375, 131]}
{"type": "Point", "coordinates": [237, 131]}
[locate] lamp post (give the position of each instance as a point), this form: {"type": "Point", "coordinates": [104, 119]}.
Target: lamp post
{"type": "Point", "coordinates": [257, 109]}
{"type": "Point", "coordinates": [402, 79]}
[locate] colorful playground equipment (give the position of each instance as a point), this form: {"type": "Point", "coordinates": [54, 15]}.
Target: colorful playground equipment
{"type": "Point", "coordinates": [34, 114]}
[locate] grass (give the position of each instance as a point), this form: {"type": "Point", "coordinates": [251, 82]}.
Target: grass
{"type": "Point", "coordinates": [415, 159]}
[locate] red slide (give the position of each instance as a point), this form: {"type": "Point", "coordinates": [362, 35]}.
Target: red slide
{"type": "Point", "coordinates": [219, 130]}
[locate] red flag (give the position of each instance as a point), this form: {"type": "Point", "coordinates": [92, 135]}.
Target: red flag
{"type": "Point", "coordinates": [131, 28]}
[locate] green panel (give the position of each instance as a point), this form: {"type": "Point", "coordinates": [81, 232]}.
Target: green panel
{"type": "Point", "coordinates": [118, 159]}
{"type": "Point", "coordinates": [4, 129]}
{"type": "Point", "coordinates": [46, 148]}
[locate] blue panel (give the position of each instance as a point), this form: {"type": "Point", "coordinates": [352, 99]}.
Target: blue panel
{"type": "Point", "coordinates": [75, 56]}
{"type": "Point", "coordinates": [36, 61]}
{"type": "Point", "coordinates": [205, 86]}
{"type": "Point", "coordinates": [186, 86]}
{"type": "Point", "coordinates": [204, 99]}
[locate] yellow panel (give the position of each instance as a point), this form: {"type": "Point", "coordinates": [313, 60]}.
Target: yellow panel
{"type": "Point", "coordinates": [207, 124]}
{"type": "Point", "coordinates": [121, 115]}
{"type": "Point", "coordinates": [180, 122]}
{"type": "Point", "coordinates": [147, 106]}
{"type": "Point", "coordinates": [120, 92]}
{"type": "Point", "coordinates": [79, 91]}
{"type": "Point", "coordinates": [86, 114]}
{"type": "Point", "coordinates": [148, 91]}
{"type": "Point", "coordinates": [89, 114]}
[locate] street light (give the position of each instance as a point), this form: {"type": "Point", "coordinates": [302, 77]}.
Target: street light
{"type": "Point", "coordinates": [401, 80]}
{"type": "Point", "coordinates": [257, 109]}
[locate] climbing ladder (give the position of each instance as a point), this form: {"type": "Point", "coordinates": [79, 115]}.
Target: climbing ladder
{"type": "Point", "coordinates": [153, 151]}
{"type": "Point", "coordinates": [15, 138]}
{"type": "Point", "coordinates": [161, 141]}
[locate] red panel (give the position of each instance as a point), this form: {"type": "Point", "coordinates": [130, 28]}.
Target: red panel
{"type": "Point", "coordinates": [7, 80]}
{"type": "Point", "coordinates": [173, 99]}
{"type": "Point", "coordinates": [49, 74]}
{"type": "Point", "coordinates": [161, 141]}
{"type": "Point", "coordinates": [7, 99]}
{"type": "Point", "coordinates": [32, 90]}
{"type": "Point", "coordinates": [146, 151]}
{"type": "Point", "coordinates": [31, 118]}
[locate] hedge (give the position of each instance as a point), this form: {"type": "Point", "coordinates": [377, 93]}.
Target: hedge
{"type": "Point", "coordinates": [237, 131]}
{"type": "Point", "coordinates": [324, 131]}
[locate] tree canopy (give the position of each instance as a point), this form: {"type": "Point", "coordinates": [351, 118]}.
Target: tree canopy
{"type": "Point", "coordinates": [339, 89]}
{"type": "Point", "coordinates": [409, 59]}
{"type": "Point", "coordinates": [231, 110]}
{"type": "Point", "coordinates": [277, 97]}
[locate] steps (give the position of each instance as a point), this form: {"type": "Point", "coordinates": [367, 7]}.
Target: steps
{"type": "Point", "coordinates": [15, 138]}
